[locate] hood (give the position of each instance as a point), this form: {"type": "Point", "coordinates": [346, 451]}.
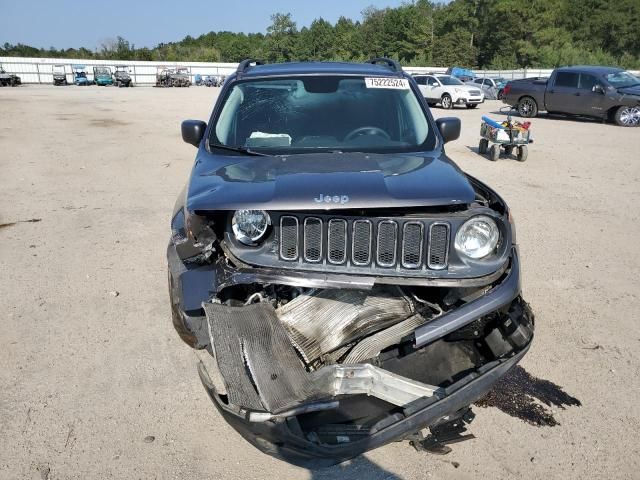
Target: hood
{"type": "Point", "coordinates": [323, 181]}
{"type": "Point", "coordinates": [635, 90]}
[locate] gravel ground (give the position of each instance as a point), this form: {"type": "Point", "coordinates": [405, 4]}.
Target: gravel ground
{"type": "Point", "coordinates": [96, 384]}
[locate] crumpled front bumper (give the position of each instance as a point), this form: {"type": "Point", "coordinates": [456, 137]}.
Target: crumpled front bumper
{"type": "Point", "coordinates": [277, 438]}
{"type": "Point", "coordinates": [265, 419]}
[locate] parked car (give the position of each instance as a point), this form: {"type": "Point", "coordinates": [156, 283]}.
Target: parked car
{"type": "Point", "coordinates": [121, 77]}
{"type": "Point", "coordinates": [347, 283]}
{"type": "Point", "coordinates": [102, 76]}
{"type": "Point", "coordinates": [9, 79]}
{"type": "Point", "coordinates": [492, 87]}
{"type": "Point", "coordinates": [59, 75]}
{"type": "Point", "coordinates": [448, 91]}
{"type": "Point", "coordinates": [80, 76]}
{"type": "Point", "coordinates": [599, 92]}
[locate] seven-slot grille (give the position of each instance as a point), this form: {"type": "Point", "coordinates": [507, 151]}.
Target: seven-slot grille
{"type": "Point", "coordinates": [384, 243]}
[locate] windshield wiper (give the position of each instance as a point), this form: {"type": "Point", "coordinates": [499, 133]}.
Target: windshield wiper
{"type": "Point", "coordinates": [242, 150]}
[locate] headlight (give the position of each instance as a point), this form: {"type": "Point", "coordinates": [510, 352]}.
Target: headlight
{"type": "Point", "coordinates": [477, 237]}
{"type": "Point", "coordinates": [457, 90]}
{"type": "Point", "coordinates": [249, 226]}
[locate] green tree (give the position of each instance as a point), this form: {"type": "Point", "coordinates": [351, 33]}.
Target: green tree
{"type": "Point", "coordinates": [470, 33]}
{"type": "Point", "coordinates": [281, 37]}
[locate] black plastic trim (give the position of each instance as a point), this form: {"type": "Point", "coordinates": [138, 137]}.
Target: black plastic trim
{"type": "Point", "coordinates": [498, 297]}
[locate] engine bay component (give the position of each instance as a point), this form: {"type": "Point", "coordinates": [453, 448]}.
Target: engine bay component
{"type": "Point", "coordinates": [320, 321]}
{"type": "Point", "coordinates": [371, 346]}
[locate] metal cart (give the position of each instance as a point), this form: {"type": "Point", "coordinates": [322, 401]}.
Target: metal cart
{"type": "Point", "coordinates": [509, 135]}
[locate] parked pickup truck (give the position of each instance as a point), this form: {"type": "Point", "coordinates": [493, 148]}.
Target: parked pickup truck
{"type": "Point", "coordinates": [600, 92]}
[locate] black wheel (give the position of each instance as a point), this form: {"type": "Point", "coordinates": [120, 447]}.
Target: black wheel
{"type": "Point", "coordinates": [626, 116]}
{"type": "Point", "coordinates": [494, 152]}
{"type": "Point", "coordinates": [499, 95]}
{"type": "Point", "coordinates": [527, 107]}
{"type": "Point", "coordinates": [446, 101]}
{"type": "Point", "coordinates": [472, 105]}
{"type": "Point", "coordinates": [523, 152]}
{"type": "Point", "coordinates": [483, 146]}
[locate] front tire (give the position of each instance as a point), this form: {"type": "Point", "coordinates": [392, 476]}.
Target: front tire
{"type": "Point", "coordinates": [446, 101]}
{"type": "Point", "coordinates": [527, 107]}
{"type": "Point", "coordinates": [483, 146]}
{"type": "Point", "coordinates": [626, 117]}
{"type": "Point", "coordinates": [494, 152]}
{"type": "Point", "coordinates": [523, 153]}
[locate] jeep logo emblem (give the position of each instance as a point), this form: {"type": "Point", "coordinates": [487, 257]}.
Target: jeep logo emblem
{"type": "Point", "coordinates": [341, 199]}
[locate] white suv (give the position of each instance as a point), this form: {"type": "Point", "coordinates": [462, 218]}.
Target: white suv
{"type": "Point", "coordinates": [448, 91]}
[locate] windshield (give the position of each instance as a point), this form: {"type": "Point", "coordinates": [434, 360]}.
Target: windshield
{"type": "Point", "coordinates": [103, 71]}
{"type": "Point", "coordinates": [622, 79]}
{"type": "Point", "coordinates": [449, 81]}
{"type": "Point", "coordinates": [286, 115]}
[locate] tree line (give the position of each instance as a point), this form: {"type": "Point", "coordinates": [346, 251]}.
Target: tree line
{"type": "Point", "coordinates": [489, 34]}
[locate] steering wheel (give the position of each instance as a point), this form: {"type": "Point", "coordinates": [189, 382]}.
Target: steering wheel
{"type": "Point", "coordinates": [366, 131]}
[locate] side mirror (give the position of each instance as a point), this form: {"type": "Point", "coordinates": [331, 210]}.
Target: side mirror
{"type": "Point", "coordinates": [597, 89]}
{"type": "Point", "coordinates": [449, 128]}
{"type": "Point", "coordinates": [193, 131]}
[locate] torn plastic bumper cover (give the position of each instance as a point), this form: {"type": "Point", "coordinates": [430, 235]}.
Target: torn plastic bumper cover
{"type": "Point", "coordinates": [264, 385]}
{"type": "Point", "coordinates": [275, 435]}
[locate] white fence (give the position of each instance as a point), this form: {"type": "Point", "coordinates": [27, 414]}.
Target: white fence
{"type": "Point", "coordinates": [40, 70]}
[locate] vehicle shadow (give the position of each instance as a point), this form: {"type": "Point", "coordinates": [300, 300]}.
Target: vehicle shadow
{"type": "Point", "coordinates": [360, 467]}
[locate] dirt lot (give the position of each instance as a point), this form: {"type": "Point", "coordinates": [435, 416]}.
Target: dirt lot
{"type": "Point", "coordinates": [96, 384]}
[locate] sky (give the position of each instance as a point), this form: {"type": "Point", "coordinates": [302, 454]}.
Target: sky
{"type": "Point", "coordinates": [145, 23]}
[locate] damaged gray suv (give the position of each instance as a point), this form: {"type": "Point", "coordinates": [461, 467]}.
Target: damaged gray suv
{"type": "Point", "coordinates": [346, 284]}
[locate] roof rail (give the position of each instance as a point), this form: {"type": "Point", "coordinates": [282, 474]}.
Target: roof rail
{"type": "Point", "coordinates": [244, 65]}
{"type": "Point", "coordinates": [392, 64]}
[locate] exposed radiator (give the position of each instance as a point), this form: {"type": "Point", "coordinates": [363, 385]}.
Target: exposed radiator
{"type": "Point", "coordinates": [322, 321]}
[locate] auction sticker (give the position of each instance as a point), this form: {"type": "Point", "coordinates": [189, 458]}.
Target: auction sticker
{"type": "Point", "coordinates": [385, 82]}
